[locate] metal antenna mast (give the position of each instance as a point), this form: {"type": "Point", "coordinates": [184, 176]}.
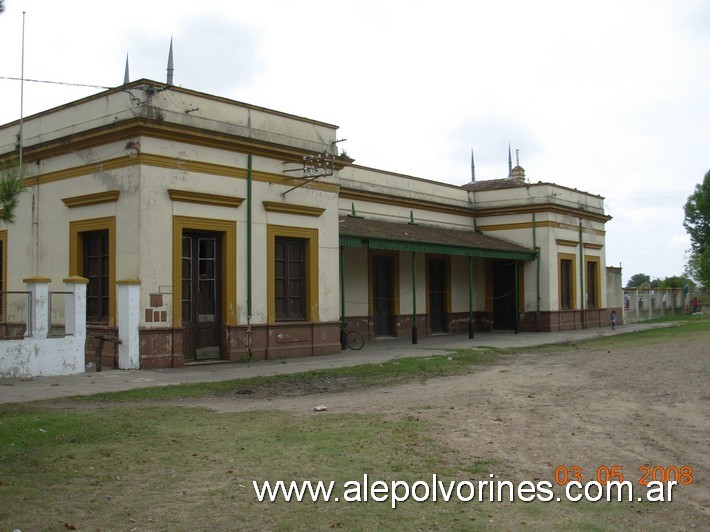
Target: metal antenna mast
{"type": "Point", "coordinates": [22, 94]}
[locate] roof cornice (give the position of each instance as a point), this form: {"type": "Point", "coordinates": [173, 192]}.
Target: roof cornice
{"type": "Point", "coordinates": [542, 208]}
{"type": "Point", "coordinates": [477, 212]}
{"type": "Point", "coordinates": [156, 86]}
{"type": "Point", "coordinates": [146, 127]}
{"type": "Point", "coordinates": [410, 203]}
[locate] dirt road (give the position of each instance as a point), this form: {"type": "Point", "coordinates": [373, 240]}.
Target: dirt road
{"type": "Point", "coordinates": [637, 408]}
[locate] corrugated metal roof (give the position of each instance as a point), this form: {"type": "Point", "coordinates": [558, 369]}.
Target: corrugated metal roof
{"type": "Point", "coordinates": [395, 236]}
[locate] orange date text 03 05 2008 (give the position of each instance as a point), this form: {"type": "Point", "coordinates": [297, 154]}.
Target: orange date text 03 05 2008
{"type": "Point", "coordinates": [681, 474]}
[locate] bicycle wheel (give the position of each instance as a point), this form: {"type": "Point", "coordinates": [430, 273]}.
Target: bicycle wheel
{"type": "Point", "coordinates": [354, 340]}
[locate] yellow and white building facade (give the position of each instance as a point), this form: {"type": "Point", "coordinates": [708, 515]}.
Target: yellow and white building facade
{"type": "Point", "coordinates": [250, 237]}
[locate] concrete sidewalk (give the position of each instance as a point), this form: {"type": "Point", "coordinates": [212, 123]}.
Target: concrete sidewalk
{"type": "Point", "coordinates": [377, 351]}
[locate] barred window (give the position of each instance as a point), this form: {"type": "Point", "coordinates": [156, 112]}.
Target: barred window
{"type": "Point", "coordinates": [592, 281]}
{"type": "Point", "coordinates": [566, 284]}
{"type": "Point", "coordinates": [290, 279]}
{"type": "Point", "coordinates": [96, 266]}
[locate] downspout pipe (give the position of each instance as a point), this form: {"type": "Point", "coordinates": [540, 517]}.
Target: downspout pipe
{"type": "Point", "coordinates": [414, 297]}
{"type": "Point", "coordinates": [537, 276]}
{"type": "Point", "coordinates": [470, 297]}
{"type": "Point", "coordinates": [250, 352]}
{"type": "Point", "coordinates": [581, 275]}
{"type": "Point", "coordinates": [517, 300]}
{"type": "Point", "coordinates": [343, 342]}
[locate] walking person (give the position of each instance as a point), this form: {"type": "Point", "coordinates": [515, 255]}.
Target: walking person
{"type": "Point", "coordinates": [613, 320]}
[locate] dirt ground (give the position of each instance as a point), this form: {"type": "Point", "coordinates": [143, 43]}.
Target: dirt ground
{"type": "Point", "coordinates": [530, 413]}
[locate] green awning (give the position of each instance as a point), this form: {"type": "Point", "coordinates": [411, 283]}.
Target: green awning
{"type": "Point", "coordinates": [423, 247]}
{"type": "Point", "coordinates": [350, 241]}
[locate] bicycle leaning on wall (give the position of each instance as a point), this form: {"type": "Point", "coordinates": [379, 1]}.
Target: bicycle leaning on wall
{"type": "Point", "coordinates": [354, 340]}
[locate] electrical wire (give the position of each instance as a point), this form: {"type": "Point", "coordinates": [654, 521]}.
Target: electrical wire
{"type": "Point", "coordinates": [57, 82]}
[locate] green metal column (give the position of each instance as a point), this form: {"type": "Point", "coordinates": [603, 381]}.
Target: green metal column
{"type": "Point", "coordinates": [343, 343]}
{"type": "Point", "coordinates": [470, 297]}
{"type": "Point", "coordinates": [537, 275]}
{"type": "Point", "coordinates": [250, 352]}
{"type": "Point", "coordinates": [581, 275]}
{"type": "Point", "coordinates": [517, 299]}
{"type": "Point", "coordinates": [414, 297]}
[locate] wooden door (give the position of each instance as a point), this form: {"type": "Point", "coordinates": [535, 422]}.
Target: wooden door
{"type": "Point", "coordinates": [201, 289]}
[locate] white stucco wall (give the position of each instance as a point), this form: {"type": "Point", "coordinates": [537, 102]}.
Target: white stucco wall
{"type": "Point", "coordinates": [32, 357]}
{"type": "Point", "coordinates": [156, 225]}
{"type": "Point", "coordinates": [355, 270]}
{"type": "Point", "coordinates": [459, 285]}
{"type": "Point", "coordinates": [48, 255]}
{"type": "Point", "coordinates": [37, 355]}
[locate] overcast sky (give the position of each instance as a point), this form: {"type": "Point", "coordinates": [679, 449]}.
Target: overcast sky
{"type": "Point", "coordinates": [611, 97]}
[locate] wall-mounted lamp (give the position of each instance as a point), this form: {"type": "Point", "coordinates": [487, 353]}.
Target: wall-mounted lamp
{"type": "Point", "coordinates": [133, 149]}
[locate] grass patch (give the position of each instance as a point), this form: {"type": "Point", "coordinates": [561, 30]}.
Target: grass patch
{"type": "Point", "coordinates": [682, 327]}
{"type": "Point", "coordinates": [176, 469]}
{"type": "Point", "coordinates": [680, 318]}
{"type": "Point", "coordinates": [397, 371]}
{"type": "Point", "coordinates": [158, 468]}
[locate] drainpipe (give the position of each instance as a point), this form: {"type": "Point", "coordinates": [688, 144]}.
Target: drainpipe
{"type": "Point", "coordinates": [414, 297]}
{"type": "Point", "coordinates": [35, 215]}
{"type": "Point", "coordinates": [343, 343]}
{"type": "Point", "coordinates": [250, 352]}
{"type": "Point", "coordinates": [581, 275]}
{"type": "Point", "coordinates": [517, 300]}
{"type": "Point", "coordinates": [470, 297]}
{"type": "Point", "coordinates": [537, 277]}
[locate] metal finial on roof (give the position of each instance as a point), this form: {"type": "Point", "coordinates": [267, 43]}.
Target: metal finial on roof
{"type": "Point", "coordinates": [170, 63]}
{"type": "Point", "coordinates": [510, 163]}
{"type": "Point", "coordinates": [126, 77]}
{"type": "Point", "coordinates": [473, 168]}
{"type": "Point", "coordinates": [518, 172]}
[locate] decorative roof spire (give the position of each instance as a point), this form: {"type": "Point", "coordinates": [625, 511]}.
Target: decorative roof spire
{"type": "Point", "coordinates": [170, 63]}
{"type": "Point", "coordinates": [473, 168]}
{"type": "Point", "coordinates": [518, 173]}
{"type": "Point", "coordinates": [510, 163]}
{"type": "Point", "coordinates": [126, 77]}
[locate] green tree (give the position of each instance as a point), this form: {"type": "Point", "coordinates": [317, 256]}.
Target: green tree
{"type": "Point", "coordinates": [697, 224]}
{"type": "Point", "coordinates": [698, 267]}
{"type": "Point", "coordinates": [10, 188]}
{"type": "Point", "coordinates": [676, 281]}
{"type": "Point", "coordinates": [638, 279]}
